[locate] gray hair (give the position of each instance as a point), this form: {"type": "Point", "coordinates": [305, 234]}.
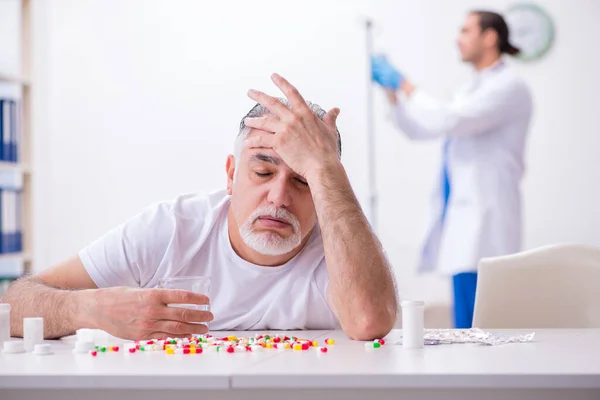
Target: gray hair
{"type": "Point", "coordinates": [259, 110]}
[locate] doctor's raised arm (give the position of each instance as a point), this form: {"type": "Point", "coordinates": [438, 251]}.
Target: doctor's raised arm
{"type": "Point", "coordinates": [493, 98]}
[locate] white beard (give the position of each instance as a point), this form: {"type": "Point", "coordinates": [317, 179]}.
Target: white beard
{"type": "Point", "coordinates": [270, 243]}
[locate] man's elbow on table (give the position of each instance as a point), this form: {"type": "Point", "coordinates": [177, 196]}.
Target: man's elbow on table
{"type": "Point", "coordinates": [371, 326]}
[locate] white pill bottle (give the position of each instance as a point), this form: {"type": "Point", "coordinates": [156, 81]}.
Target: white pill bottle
{"type": "Point", "coordinates": [413, 324]}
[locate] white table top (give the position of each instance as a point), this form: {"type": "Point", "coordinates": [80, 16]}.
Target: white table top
{"type": "Point", "coordinates": [556, 359]}
{"type": "Point", "coordinates": [141, 370]}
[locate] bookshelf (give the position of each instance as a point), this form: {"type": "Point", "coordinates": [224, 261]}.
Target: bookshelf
{"type": "Point", "coordinates": [22, 168]}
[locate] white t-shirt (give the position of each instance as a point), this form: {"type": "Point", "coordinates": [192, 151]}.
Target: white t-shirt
{"type": "Point", "coordinates": [188, 236]}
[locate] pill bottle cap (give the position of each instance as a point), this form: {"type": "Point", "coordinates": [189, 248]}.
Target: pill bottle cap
{"type": "Point", "coordinates": [412, 303]}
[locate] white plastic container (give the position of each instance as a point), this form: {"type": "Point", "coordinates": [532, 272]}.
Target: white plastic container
{"type": "Point", "coordinates": [43, 349]}
{"type": "Point", "coordinates": [4, 323]}
{"type": "Point", "coordinates": [83, 346]}
{"type": "Point", "coordinates": [413, 324]}
{"type": "Point", "coordinates": [33, 332]}
{"type": "Point", "coordinates": [85, 335]}
{"type": "Point", "coordinates": [13, 347]}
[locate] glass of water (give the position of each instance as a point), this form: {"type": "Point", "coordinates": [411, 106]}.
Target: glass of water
{"type": "Point", "coordinates": [196, 284]}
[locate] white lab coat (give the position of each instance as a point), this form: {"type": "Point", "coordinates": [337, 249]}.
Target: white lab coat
{"type": "Point", "coordinates": [486, 124]}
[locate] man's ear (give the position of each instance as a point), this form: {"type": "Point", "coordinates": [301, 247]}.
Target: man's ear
{"type": "Point", "coordinates": [490, 38]}
{"type": "Point", "coordinates": [230, 170]}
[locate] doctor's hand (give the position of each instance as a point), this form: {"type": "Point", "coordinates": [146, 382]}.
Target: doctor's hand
{"type": "Point", "coordinates": [391, 96]}
{"type": "Point", "coordinates": [135, 314]}
{"type": "Point", "coordinates": [384, 73]}
{"type": "Point", "coordinates": [304, 142]}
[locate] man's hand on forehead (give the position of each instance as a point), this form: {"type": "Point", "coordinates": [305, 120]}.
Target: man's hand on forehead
{"type": "Point", "coordinates": [304, 142]}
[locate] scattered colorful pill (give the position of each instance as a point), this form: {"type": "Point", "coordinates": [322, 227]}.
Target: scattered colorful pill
{"type": "Point", "coordinates": [229, 344]}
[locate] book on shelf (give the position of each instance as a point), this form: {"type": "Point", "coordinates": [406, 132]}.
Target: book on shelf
{"type": "Point", "coordinates": [11, 234]}
{"type": "Point", "coordinates": [10, 129]}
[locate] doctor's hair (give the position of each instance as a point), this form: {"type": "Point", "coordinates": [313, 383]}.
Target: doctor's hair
{"type": "Point", "coordinates": [259, 110]}
{"type": "Point", "coordinates": [495, 21]}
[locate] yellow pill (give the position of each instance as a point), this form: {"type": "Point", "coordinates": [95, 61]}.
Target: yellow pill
{"type": "Point", "coordinates": [192, 350]}
{"type": "Point", "coordinates": [230, 338]}
{"type": "Point", "coordinates": [269, 345]}
{"type": "Point", "coordinates": [297, 346]}
{"type": "Point", "coordinates": [315, 343]}
{"type": "Point", "coordinates": [192, 346]}
{"type": "Point", "coordinates": [170, 350]}
{"type": "Point", "coordinates": [330, 341]}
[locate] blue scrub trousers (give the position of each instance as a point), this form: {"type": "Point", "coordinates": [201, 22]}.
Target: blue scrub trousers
{"type": "Point", "coordinates": [464, 283]}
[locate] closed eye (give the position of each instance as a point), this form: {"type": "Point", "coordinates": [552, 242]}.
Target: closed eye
{"type": "Point", "coordinates": [302, 182]}
{"type": "Point", "coordinates": [263, 174]}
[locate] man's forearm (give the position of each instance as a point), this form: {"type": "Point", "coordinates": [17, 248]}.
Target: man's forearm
{"type": "Point", "coordinates": [32, 298]}
{"type": "Point", "coordinates": [361, 285]}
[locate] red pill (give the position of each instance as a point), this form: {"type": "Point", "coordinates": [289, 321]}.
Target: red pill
{"type": "Point", "coordinates": [198, 350]}
{"type": "Point", "coordinates": [186, 351]}
{"type": "Point", "coordinates": [230, 349]}
{"type": "Point", "coordinates": [286, 338]}
{"type": "Point", "coordinates": [132, 349]}
{"type": "Point", "coordinates": [276, 340]}
{"type": "Point", "coordinates": [323, 349]}
{"type": "Point", "coordinates": [93, 353]}
{"type": "Point", "coordinates": [304, 346]}
{"type": "Point", "coordinates": [115, 348]}
{"type": "Point", "coordinates": [150, 342]}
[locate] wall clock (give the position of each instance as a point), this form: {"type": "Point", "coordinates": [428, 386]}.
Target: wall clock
{"type": "Point", "coordinates": [531, 30]}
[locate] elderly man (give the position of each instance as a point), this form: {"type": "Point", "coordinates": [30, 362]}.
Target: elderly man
{"type": "Point", "coordinates": [286, 246]}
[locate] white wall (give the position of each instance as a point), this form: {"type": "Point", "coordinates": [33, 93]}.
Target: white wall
{"type": "Point", "coordinates": [140, 100]}
{"type": "Point", "coordinates": [10, 54]}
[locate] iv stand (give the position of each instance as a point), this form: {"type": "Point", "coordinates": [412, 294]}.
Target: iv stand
{"type": "Point", "coordinates": [371, 132]}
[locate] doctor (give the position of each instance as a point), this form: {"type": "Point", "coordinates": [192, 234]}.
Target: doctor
{"type": "Point", "coordinates": [476, 207]}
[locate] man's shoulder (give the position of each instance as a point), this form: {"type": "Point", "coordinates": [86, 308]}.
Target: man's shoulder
{"type": "Point", "coordinates": [507, 79]}
{"type": "Point", "coordinates": [197, 205]}
{"type": "Point", "coordinates": [185, 211]}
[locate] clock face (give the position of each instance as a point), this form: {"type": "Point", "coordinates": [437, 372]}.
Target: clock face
{"type": "Point", "coordinates": [531, 30]}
